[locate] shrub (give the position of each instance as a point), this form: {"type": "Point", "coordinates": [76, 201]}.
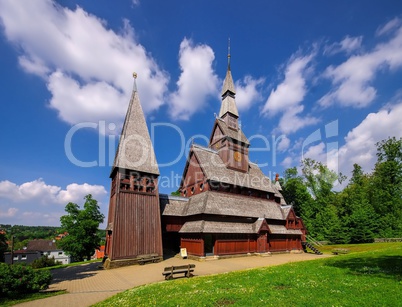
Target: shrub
{"type": "Point", "coordinates": [20, 279]}
{"type": "Point", "coordinates": [44, 262]}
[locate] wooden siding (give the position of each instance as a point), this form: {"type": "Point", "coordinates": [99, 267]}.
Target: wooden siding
{"type": "Point", "coordinates": [231, 247]}
{"type": "Point", "coordinates": [193, 179]}
{"type": "Point", "coordinates": [172, 223]}
{"type": "Point", "coordinates": [194, 246]}
{"type": "Point", "coordinates": [137, 227]}
{"type": "Point", "coordinates": [284, 242]}
{"type": "Point", "coordinates": [277, 244]}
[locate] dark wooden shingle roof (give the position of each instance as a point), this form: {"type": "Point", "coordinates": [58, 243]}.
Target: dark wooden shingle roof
{"type": "Point", "coordinates": [202, 226]}
{"type": "Point", "coordinates": [135, 150]}
{"type": "Point", "coordinates": [215, 170]}
{"type": "Point", "coordinates": [216, 203]}
{"type": "Point", "coordinates": [234, 134]}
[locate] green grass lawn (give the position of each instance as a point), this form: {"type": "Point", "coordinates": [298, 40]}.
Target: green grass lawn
{"type": "Point", "coordinates": [371, 275]}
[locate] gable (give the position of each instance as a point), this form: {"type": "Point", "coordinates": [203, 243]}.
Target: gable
{"type": "Point", "coordinates": [263, 227]}
{"type": "Point", "coordinates": [291, 215]}
{"type": "Point", "coordinates": [193, 171]}
{"type": "Point", "coordinates": [217, 134]}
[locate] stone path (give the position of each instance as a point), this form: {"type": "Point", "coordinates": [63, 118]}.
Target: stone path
{"type": "Point", "coordinates": [88, 284]}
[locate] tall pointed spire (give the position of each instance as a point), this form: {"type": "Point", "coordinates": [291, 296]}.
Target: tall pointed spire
{"type": "Point", "coordinates": [228, 93]}
{"type": "Point", "coordinates": [135, 151]}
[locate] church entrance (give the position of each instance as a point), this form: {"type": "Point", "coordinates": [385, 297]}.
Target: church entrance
{"type": "Point", "coordinates": [208, 245]}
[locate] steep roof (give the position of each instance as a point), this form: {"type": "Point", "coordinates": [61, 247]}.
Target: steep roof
{"type": "Point", "coordinates": [228, 96]}
{"type": "Point", "coordinates": [237, 135]}
{"type": "Point", "coordinates": [135, 150]}
{"type": "Point", "coordinates": [216, 203]}
{"type": "Point", "coordinates": [228, 84]}
{"type": "Point", "coordinates": [215, 170]}
{"type": "Point", "coordinates": [217, 227]}
{"type": "Point", "coordinates": [172, 205]}
{"type": "Point", "coordinates": [202, 226]}
{"type": "Point", "coordinates": [280, 229]}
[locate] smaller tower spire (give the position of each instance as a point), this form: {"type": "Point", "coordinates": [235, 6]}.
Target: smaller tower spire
{"type": "Point", "coordinates": [228, 93]}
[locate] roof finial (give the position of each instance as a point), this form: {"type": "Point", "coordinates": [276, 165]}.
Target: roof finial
{"type": "Point", "coordinates": [229, 53]}
{"type": "Point", "coordinates": [135, 84]}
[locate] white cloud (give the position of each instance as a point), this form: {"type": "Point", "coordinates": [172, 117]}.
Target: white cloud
{"type": "Point", "coordinates": [197, 80]}
{"type": "Point", "coordinates": [11, 212]}
{"type": "Point", "coordinates": [360, 142]}
{"type": "Point", "coordinates": [389, 26]}
{"type": "Point", "coordinates": [287, 162]}
{"type": "Point", "coordinates": [352, 79]}
{"type": "Point", "coordinates": [283, 143]}
{"type": "Point", "coordinates": [288, 95]}
{"type": "Point", "coordinates": [247, 92]}
{"type": "Point", "coordinates": [38, 203]}
{"type": "Point", "coordinates": [75, 50]}
{"type": "Point", "coordinates": [38, 191]}
{"type": "Point", "coordinates": [348, 45]}
{"type": "Point", "coordinates": [291, 120]}
{"type": "Point", "coordinates": [76, 192]}
{"type": "Point", "coordinates": [136, 2]}
{"type": "Point", "coordinates": [92, 100]}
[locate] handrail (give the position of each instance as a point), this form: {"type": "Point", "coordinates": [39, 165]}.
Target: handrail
{"type": "Point", "coordinates": [313, 241]}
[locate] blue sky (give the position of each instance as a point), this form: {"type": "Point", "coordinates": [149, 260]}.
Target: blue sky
{"type": "Point", "coordinates": [314, 79]}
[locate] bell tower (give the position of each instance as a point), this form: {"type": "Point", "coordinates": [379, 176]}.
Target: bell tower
{"type": "Point", "coordinates": [134, 221]}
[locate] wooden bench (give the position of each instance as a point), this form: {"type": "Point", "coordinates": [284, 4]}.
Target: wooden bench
{"type": "Point", "coordinates": [186, 269]}
{"type": "Point", "coordinates": [142, 259]}
{"type": "Point", "coordinates": [340, 251]}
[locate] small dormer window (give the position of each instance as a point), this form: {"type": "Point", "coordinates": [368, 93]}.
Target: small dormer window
{"type": "Point", "coordinates": [201, 186]}
{"type": "Point", "coordinates": [192, 190]}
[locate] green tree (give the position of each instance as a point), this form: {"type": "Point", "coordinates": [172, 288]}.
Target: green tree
{"type": "Point", "coordinates": [3, 246]}
{"type": "Point", "coordinates": [295, 193]}
{"type": "Point", "coordinates": [82, 226]}
{"type": "Point", "coordinates": [176, 193]}
{"type": "Point", "coordinates": [356, 211]}
{"type": "Point", "coordinates": [320, 215]}
{"type": "Point", "coordinates": [386, 187]}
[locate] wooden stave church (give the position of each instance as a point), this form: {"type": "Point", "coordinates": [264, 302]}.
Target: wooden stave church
{"type": "Point", "coordinates": [227, 205]}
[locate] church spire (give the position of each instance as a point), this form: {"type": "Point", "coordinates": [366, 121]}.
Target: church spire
{"type": "Point", "coordinates": [228, 93]}
{"type": "Point", "coordinates": [135, 151]}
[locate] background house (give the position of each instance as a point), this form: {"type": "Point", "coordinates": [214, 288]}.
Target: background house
{"type": "Point", "coordinates": [36, 249]}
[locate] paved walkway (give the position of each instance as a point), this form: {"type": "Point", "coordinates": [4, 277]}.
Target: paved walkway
{"type": "Point", "coordinates": [88, 284]}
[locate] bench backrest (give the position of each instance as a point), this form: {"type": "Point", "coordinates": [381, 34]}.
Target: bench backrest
{"type": "Point", "coordinates": [180, 267]}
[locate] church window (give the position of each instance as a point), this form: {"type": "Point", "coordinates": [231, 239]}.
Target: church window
{"type": "Point", "coordinates": [201, 186]}
{"type": "Point", "coordinates": [192, 190]}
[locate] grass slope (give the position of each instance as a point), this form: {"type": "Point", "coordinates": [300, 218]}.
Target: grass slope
{"type": "Point", "coordinates": [371, 278]}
